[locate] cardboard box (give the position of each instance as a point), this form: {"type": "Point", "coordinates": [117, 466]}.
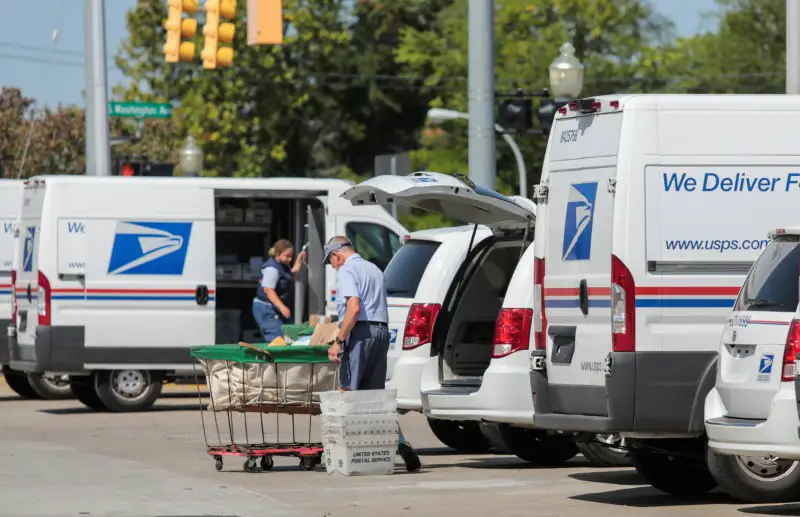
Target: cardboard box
{"type": "Point", "coordinates": [229, 272]}
{"type": "Point", "coordinates": [324, 333]}
{"type": "Point", "coordinates": [316, 319]}
{"type": "Point", "coordinates": [257, 216]}
{"type": "Point", "coordinates": [230, 216]}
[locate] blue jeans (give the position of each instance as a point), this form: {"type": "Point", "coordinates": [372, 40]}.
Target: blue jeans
{"type": "Point", "coordinates": [268, 320]}
{"type": "Point", "coordinates": [363, 357]}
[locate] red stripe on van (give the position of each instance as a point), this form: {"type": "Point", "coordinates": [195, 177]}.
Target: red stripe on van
{"type": "Point", "coordinates": [574, 291]}
{"type": "Point", "coordinates": [687, 291]}
{"type": "Point", "coordinates": [126, 291]}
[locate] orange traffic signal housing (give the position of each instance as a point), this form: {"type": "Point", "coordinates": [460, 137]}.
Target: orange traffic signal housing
{"type": "Point", "coordinates": [264, 22]}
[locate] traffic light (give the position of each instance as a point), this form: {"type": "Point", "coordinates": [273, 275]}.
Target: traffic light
{"type": "Point", "coordinates": [139, 166]}
{"type": "Point", "coordinates": [547, 113]}
{"type": "Point", "coordinates": [515, 115]}
{"type": "Point", "coordinates": [215, 32]}
{"type": "Point", "coordinates": [179, 27]}
{"type": "Point", "coordinates": [264, 22]}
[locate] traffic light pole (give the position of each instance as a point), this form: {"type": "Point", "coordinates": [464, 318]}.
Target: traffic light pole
{"type": "Point", "coordinates": [480, 85]}
{"type": "Point", "coordinates": [98, 147]}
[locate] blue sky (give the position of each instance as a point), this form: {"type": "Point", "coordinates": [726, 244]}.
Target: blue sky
{"type": "Point", "coordinates": [52, 77]}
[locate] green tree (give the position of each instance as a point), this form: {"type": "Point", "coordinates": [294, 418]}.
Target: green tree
{"type": "Point", "coordinates": [320, 104]}
{"type": "Point", "coordinates": [609, 37]}
{"type": "Point", "coordinates": [745, 54]}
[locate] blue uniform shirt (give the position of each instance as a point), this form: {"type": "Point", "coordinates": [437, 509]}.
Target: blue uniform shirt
{"type": "Point", "coordinates": [364, 280]}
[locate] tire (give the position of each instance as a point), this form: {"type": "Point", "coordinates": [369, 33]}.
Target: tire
{"type": "Point", "coordinates": [125, 391]}
{"type": "Point", "coordinates": [756, 479]}
{"type": "Point", "coordinates": [536, 446]}
{"type": "Point", "coordinates": [678, 476]}
{"type": "Point", "coordinates": [83, 389]}
{"type": "Point", "coordinates": [461, 436]}
{"type": "Point", "coordinates": [492, 433]}
{"type": "Point", "coordinates": [18, 382]}
{"type": "Point", "coordinates": [602, 455]}
{"type": "Point", "coordinates": [50, 387]}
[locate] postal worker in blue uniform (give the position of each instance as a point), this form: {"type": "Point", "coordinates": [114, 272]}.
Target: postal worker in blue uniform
{"type": "Point", "coordinates": [362, 345]}
{"type": "Point", "coordinates": [272, 306]}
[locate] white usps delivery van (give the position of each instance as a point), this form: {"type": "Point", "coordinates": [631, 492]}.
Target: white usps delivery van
{"type": "Point", "coordinates": [652, 208]}
{"type": "Point", "coordinates": [34, 385]}
{"type": "Point", "coordinates": [117, 277]}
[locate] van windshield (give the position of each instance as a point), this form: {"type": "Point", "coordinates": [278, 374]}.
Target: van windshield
{"type": "Point", "coordinates": [774, 281]}
{"type": "Point", "coordinates": [405, 270]}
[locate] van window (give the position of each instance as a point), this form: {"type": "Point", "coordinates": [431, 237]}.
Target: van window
{"type": "Point", "coordinates": [772, 284]}
{"type": "Point", "coordinates": [407, 267]}
{"type": "Point", "coordinates": [373, 242]}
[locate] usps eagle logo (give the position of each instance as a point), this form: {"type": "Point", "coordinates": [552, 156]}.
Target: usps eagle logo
{"type": "Point", "coordinates": [149, 248]}
{"type": "Point", "coordinates": [578, 221]}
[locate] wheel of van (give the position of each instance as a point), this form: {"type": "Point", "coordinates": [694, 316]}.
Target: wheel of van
{"type": "Point", "coordinates": [127, 390]}
{"type": "Point", "coordinates": [461, 436]}
{"type": "Point", "coordinates": [49, 386]}
{"type": "Point", "coordinates": [675, 475]}
{"type": "Point", "coordinates": [18, 382]}
{"type": "Point", "coordinates": [83, 389]}
{"type": "Point", "coordinates": [537, 446]}
{"type": "Point", "coordinates": [492, 433]}
{"type": "Point", "coordinates": [756, 479]}
{"type": "Point", "coordinates": [602, 451]}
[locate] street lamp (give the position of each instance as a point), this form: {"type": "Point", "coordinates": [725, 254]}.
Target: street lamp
{"type": "Point", "coordinates": [566, 74]}
{"type": "Point", "coordinates": [191, 158]}
{"type": "Point", "coordinates": [437, 115]}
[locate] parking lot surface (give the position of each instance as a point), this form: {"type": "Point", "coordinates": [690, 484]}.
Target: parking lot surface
{"type": "Point", "coordinates": [59, 459]}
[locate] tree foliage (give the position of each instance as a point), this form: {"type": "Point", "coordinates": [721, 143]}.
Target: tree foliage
{"type": "Point", "coordinates": [48, 141]}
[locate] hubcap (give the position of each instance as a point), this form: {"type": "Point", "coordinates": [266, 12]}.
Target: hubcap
{"type": "Point", "coordinates": [129, 384]}
{"type": "Point", "coordinates": [56, 381]}
{"type": "Point", "coordinates": [766, 468]}
{"type": "Point", "coordinates": [612, 440]}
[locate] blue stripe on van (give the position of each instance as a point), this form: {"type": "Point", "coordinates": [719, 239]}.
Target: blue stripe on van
{"type": "Point", "coordinates": [686, 303]}
{"type": "Point", "coordinates": [117, 298]}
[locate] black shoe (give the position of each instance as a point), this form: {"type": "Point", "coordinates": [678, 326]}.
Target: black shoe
{"type": "Point", "coordinates": [410, 457]}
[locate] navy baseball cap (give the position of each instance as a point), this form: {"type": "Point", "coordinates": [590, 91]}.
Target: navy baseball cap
{"type": "Point", "coordinates": [334, 246]}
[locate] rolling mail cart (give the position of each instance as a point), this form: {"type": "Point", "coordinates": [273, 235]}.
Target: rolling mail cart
{"type": "Point", "coordinates": [251, 384]}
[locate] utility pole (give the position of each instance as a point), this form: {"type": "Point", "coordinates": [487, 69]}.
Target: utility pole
{"type": "Point", "coordinates": [480, 84]}
{"type": "Point", "coordinates": [98, 147]}
{"type": "Point", "coordinates": [793, 47]}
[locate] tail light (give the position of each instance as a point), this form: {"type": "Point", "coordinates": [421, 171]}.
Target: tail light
{"type": "Point", "coordinates": [623, 308]}
{"type": "Point", "coordinates": [790, 352]}
{"type": "Point", "coordinates": [14, 297]}
{"type": "Point", "coordinates": [512, 332]}
{"type": "Point", "coordinates": [539, 316]}
{"type": "Point", "coordinates": [419, 324]}
{"type": "Point", "coordinates": [43, 300]}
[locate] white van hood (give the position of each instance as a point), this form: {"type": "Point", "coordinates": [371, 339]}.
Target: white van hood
{"type": "Point", "coordinates": [453, 197]}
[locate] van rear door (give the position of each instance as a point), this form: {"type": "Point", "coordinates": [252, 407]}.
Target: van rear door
{"type": "Point", "coordinates": [751, 357]}
{"type": "Point", "coordinates": [26, 288]}
{"type": "Point", "coordinates": [10, 204]}
{"type": "Point", "coordinates": [580, 204]}
{"type": "Point", "coordinates": [454, 197]}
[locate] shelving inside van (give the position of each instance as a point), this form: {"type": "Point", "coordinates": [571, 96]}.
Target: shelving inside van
{"type": "Point", "coordinates": [247, 225]}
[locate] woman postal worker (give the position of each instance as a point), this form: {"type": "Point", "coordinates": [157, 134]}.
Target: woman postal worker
{"type": "Point", "coordinates": [275, 292]}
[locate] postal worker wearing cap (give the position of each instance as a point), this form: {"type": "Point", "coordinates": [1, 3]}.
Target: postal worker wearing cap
{"type": "Point", "coordinates": [363, 341]}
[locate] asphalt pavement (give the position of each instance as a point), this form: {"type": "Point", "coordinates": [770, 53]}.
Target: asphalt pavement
{"type": "Point", "coordinates": [58, 458]}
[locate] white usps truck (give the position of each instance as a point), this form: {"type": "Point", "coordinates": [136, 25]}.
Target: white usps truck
{"type": "Point", "coordinates": [117, 277]}
{"type": "Point", "coordinates": [652, 209]}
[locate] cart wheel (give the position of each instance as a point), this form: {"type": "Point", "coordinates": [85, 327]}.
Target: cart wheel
{"type": "Point", "coordinates": [306, 463]}
{"type": "Point", "coordinates": [218, 462]}
{"type": "Point", "coordinates": [250, 465]}
{"type": "Point", "coordinates": [267, 463]}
